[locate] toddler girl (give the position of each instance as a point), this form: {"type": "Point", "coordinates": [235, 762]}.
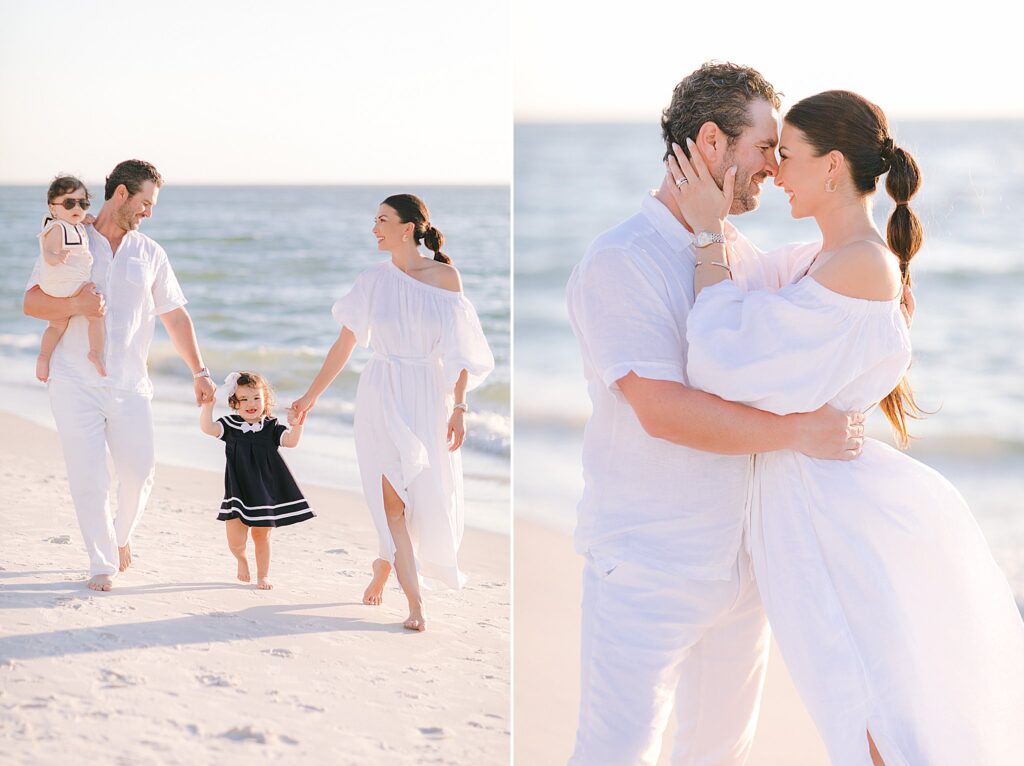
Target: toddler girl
{"type": "Point", "coordinates": [259, 491]}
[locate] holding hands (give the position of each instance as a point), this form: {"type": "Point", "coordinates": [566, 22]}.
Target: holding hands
{"type": "Point", "coordinates": [205, 390]}
{"type": "Point", "coordinates": [300, 409]}
{"type": "Point", "coordinates": [703, 204]}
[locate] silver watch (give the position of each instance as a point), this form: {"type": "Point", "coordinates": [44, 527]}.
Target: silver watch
{"type": "Point", "coordinates": [203, 373]}
{"type": "Point", "coordinates": [705, 238]}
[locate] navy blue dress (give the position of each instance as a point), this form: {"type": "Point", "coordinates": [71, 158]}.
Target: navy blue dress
{"type": "Point", "coordinates": [258, 487]}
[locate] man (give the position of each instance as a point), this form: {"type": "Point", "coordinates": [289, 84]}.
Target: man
{"type": "Point", "coordinates": [132, 284]}
{"type": "Point", "coordinates": [670, 611]}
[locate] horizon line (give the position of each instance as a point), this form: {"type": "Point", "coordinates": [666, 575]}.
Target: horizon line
{"type": "Point", "coordinates": [376, 184]}
{"type": "Point", "coordinates": [641, 120]}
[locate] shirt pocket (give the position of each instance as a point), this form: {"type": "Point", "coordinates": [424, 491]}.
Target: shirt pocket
{"type": "Point", "coordinates": [136, 272]}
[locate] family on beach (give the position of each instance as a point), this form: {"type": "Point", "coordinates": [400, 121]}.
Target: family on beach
{"type": "Point", "coordinates": [100, 284]}
{"type": "Point", "coordinates": [728, 482]}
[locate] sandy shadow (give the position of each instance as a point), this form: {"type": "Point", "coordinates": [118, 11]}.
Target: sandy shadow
{"type": "Point", "coordinates": [256, 622]}
{"type": "Point", "coordinates": [42, 595]}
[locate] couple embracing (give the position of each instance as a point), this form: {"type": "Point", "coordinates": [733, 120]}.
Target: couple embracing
{"type": "Point", "coordinates": [728, 483]}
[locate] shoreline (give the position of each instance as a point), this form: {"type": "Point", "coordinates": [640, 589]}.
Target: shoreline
{"type": "Point", "coordinates": [181, 663]}
{"type": "Point", "coordinates": [326, 456]}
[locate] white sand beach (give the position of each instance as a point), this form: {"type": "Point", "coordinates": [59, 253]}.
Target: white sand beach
{"type": "Point", "coordinates": [547, 624]}
{"type": "Point", "coordinates": [183, 664]}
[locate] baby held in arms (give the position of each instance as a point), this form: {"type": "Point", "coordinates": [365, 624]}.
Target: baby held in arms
{"type": "Point", "coordinates": [65, 265]}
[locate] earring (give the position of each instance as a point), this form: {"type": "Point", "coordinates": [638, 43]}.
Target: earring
{"type": "Point", "coordinates": [829, 185]}
{"type": "Point", "coordinates": [405, 238]}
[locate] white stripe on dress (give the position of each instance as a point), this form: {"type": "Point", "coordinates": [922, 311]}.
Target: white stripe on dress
{"type": "Point", "coordinates": [261, 507]}
{"type": "Point", "coordinates": [267, 518]}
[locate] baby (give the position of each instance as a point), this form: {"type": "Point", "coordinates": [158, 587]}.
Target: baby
{"type": "Point", "coordinates": [65, 264]}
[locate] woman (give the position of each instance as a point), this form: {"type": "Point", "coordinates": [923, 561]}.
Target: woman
{"type": "Point", "coordinates": [428, 350]}
{"type": "Point", "coordinates": [896, 624]}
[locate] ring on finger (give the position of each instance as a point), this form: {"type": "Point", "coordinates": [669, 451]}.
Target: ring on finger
{"type": "Point", "coordinates": [680, 182]}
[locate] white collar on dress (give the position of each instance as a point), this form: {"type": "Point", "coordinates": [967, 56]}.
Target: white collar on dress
{"type": "Point", "coordinates": [239, 423]}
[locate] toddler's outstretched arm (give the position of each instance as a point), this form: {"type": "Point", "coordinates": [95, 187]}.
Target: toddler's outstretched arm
{"type": "Point", "coordinates": [53, 247]}
{"type": "Point", "coordinates": [291, 437]}
{"type": "Point", "coordinates": [206, 420]}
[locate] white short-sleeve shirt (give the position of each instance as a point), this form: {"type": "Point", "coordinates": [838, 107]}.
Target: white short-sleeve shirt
{"type": "Point", "coordinates": [138, 285]}
{"type": "Point", "coordinates": [645, 498]}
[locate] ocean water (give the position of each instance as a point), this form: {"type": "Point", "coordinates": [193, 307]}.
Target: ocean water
{"type": "Point", "coordinates": [575, 181]}
{"type": "Point", "coordinates": [261, 267]}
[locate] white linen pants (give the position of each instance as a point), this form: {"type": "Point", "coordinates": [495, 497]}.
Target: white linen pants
{"type": "Point", "coordinates": [651, 639]}
{"type": "Point", "coordinates": [90, 419]}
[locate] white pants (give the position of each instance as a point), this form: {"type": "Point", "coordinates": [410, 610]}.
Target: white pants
{"type": "Point", "coordinates": [88, 421]}
{"type": "Point", "coordinates": [651, 639]}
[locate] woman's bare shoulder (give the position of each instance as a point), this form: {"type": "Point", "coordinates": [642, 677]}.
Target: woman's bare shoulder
{"type": "Point", "coordinates": [864, 269]}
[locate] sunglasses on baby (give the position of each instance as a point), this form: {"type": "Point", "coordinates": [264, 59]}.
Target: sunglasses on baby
{"type": "Point", "coordinates": [69, 204]}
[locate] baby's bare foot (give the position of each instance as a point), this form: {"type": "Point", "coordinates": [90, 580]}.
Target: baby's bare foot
{"type": "Point", "coordinates": [42, 368]}
{"type": "Point", "coordinates": [243, 570]}
{"type": "Point", "coordinates": [97, 361]}
{"type": "Point", "coordinates": [101, 582]}
{"type": "Point", "coordinates": [374, 592]}
{"type": "Point", "coordinates": [262, 583]}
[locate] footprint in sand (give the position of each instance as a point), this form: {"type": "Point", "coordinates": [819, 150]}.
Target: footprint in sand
{"type": "Point", "coordinates": [435, 732]}
{"type": "Point", "coordinates": [285, 653]}
{"type": "Point", "coordinates": [59, 540]}
{"type": "Point", "coordinates": [114, 679]}
{"type": "Point", "coordinates": [340, 551]}
{"type": "Point", "coordinates": [216, 679]}
{"type": "Point", "coordinates": [245, 734]}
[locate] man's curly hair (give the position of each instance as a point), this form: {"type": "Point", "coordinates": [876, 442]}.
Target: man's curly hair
{"type": "Point", "coordinates": [717, 92]}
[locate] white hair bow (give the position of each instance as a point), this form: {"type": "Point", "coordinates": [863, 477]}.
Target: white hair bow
{"type": "Point", "coordinates": [231, 383]}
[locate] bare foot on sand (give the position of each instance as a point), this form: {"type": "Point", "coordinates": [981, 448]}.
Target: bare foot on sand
{"type": "Point", "coordinates": [97, 362]}
{"type": "Point", "coordinates": [125, 555]}
{"type": "Point", "coordinates": [243, 571]}
{"type": "Point", "coordinates": [415, 620]}
{"type": "Point", "coordinates": [101, 582]}
{"type": "Point", "coordinates": [262, 583]}
{"type": "Point", "coordinates": [42, 368]}
{"type": "Point", "coordinates": [374, 592]}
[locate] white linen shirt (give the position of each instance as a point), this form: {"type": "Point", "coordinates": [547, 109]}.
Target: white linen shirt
{"type": "Point", "coordinates": [138, 285]}
{"type": "Point", "coordinates": [644, 498]}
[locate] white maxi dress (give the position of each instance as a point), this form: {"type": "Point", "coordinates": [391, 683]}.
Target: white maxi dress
{"type": "Point", "coordinates": [422, 338]}
{"type": "Point", "coordinates": [887, 605]}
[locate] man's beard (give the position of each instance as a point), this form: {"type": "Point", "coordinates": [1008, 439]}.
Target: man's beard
{"type": "Point", "coordinates": [125, 219]}
{"type": "Point", "coordinates": [743, 199]}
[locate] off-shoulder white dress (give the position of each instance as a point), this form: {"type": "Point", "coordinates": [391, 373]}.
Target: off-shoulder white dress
{"type": "Point", "coordinates": [422, 338]}
{"type": "Point", "coordinates": [886, 602]}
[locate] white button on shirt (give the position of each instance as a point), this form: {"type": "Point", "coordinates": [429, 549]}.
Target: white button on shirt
{"type": "Point", "coordinates": [645, 498]}
{"type": "Point", "coordinates": [138, 285]}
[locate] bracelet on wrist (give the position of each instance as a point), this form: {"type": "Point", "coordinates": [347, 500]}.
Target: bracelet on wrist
{"type": "Point", "coordinates": [714, 263]}
{"type": "Point", "coordinates": [461, 406]}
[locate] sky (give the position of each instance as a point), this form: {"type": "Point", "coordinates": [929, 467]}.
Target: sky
{"type": "Point", "coordinates": [223, 91]}
{"type": "Point", "coordinates": [914, 59]}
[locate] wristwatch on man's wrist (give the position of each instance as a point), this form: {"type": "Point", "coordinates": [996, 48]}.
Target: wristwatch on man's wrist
{"type": "Point", "coordinates": [705, 238]}
{"type": "Point", "coordinates": [203, 373]}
